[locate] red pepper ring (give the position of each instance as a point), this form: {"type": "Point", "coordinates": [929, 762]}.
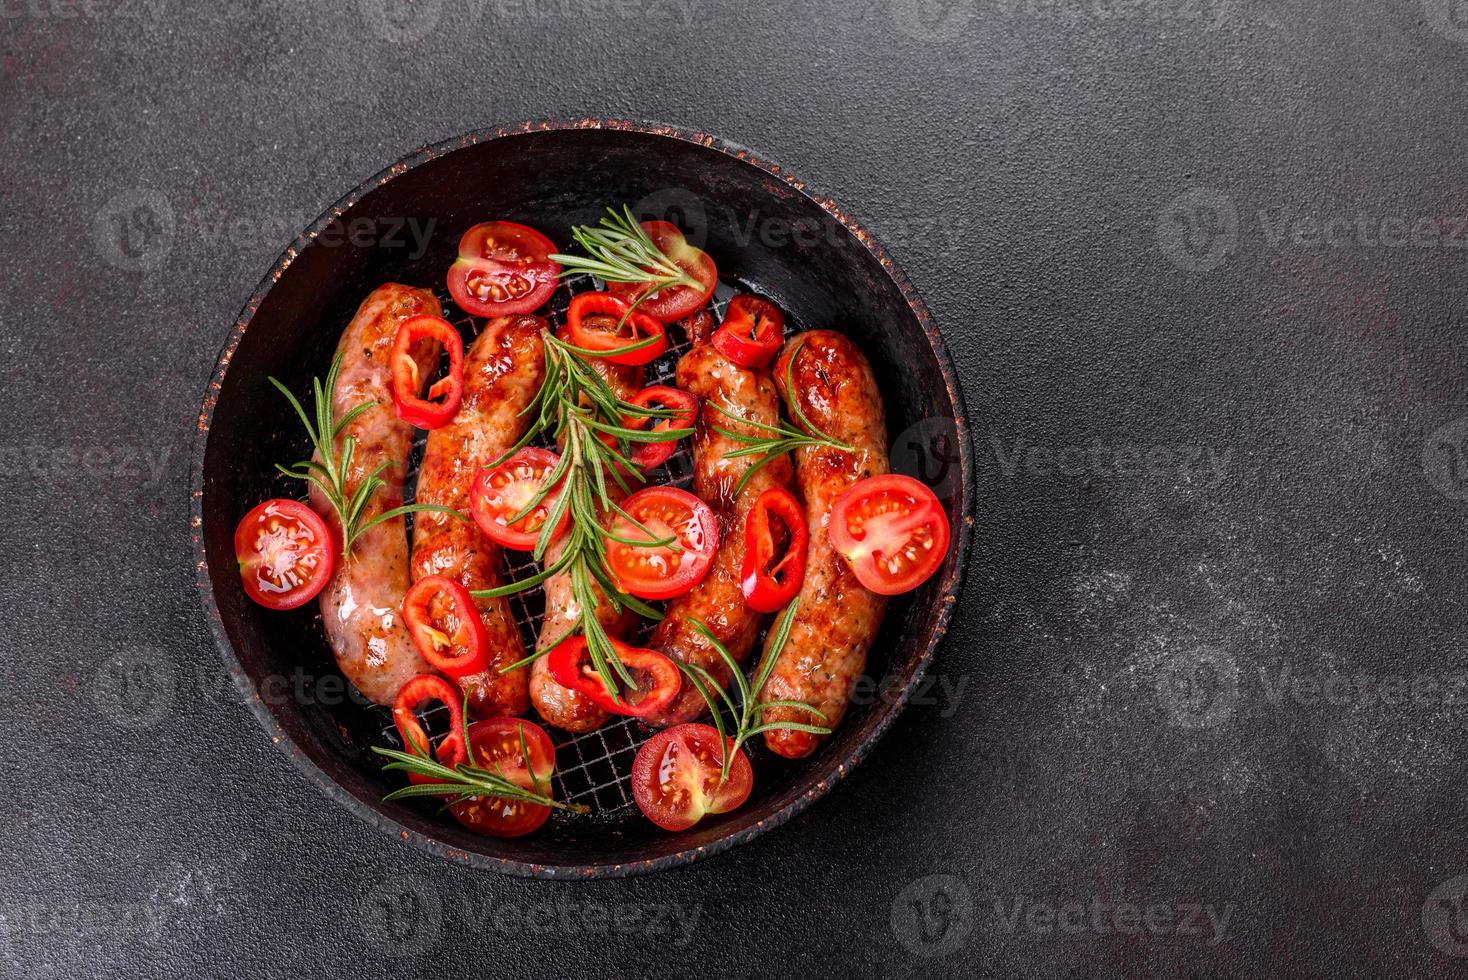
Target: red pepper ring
{"type": "Point", "coordinates": [430, 687]}
{"type": "Point", "coordinates": [570, 665]}
{"type": "Point", "coordinates": [769, 581]}
{"type": "Point", "coordinates": [426, 413]}
{"type": "Point", "coordinates": [459, 646]}
{"type": "Point", "coordinates": [592, 323]}
{"type": "Point", "coordinates": [646, 455]}
{"type": "Point", "coordinates": [752, 331]}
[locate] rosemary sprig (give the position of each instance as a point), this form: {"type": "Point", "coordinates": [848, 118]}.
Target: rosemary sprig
{"type": "Point", "coordinates": [466, 780]}
{"type": "Point", "coordinates": [577, 407]}
{"type": "Point", "coordinates": [775, 440]}
{"type": "Point", "coordinates": [329, 475]}
{"type": "Point", "coordinates": [618, 250]}
{"type": "Point", "coordinates": [745, 713]}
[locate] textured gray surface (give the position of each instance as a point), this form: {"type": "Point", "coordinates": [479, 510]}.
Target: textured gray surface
{"type": "Point", "coordinates": [1212, 656]}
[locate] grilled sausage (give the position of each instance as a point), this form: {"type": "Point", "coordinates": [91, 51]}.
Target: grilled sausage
{"type": "Point", "coordinates": [361, 606]}
{"type": "Point", "coordinates": [502, 372]}
{"type": "Point", "coordinates": [561, 706]}
{"type": "Point", "coordinates": [718, 600]}
{"type": "Point", "coordinates": [838, 618]}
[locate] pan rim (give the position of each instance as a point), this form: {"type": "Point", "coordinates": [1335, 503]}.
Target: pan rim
{"type": "Point", "coordinates": [950, 584]}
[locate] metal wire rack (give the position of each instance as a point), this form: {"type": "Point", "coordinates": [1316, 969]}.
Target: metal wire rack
{"type": "Point", "coordinates": [595, 767]}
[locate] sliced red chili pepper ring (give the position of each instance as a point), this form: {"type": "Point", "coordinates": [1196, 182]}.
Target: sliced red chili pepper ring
{"type": "Point", "coordinates": [423, 688]}
{"type": "Point", "coordinates": [752, 331]}
{"type": "Point", "coordinates": [771, 578]}
{"type": "Point", "coordinates": [601, 322]}
{"type": "Point", "coordinates": [658, 678]}
{"type": "Point", "coordinates": [650, 454]}
{"type": "Point", "coordinates": [426, 412]}
{"type": "Point", "coordinates": [445, 626]}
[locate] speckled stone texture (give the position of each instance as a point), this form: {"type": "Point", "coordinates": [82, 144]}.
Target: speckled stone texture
{"type": "Point", "coordinates": [1201, 265]}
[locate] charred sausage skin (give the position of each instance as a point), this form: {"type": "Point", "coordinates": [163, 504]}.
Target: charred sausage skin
{"type": "Point", "coordinates": [718, 600]}
{"type": "Point", "coordinates": [361, 606]}
{"type": "Point", "coordinates": [503, 369]}
{"type": "Point", "coordinates": [837, 619]}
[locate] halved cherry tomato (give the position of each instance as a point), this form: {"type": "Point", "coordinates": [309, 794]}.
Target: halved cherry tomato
{"type": "Point", "coordinates": [426, 413]}
{"type": "Point", "coordinates": [501, 493]}
{"type": "Point", "coordinates": [445, 626]}
{"type": "Point", "coordinates": [752, 331]}
{"type": "Point", "coordinates": [662, 571]}
{"type": "Point", "coordinates": [503, 268]}
{"type": "Point", "coordinates": [672, 304]}
{"type": "Point", "coordinates": [675, 777]}
{"type": "Point", "coordinates": [592, 323]}
{"type": "Point", "coordinates": [497, 748]}
{"type": "Point", "coordinates": [646, 455]}
{"type": "Point", "coordinates": [285, 553]}
{"type": "Point", "coordinates": [892, 531]}
{"type": "Point", "coordinates": [429, 687]}
{"type": "Point", "coordinates": [658, 678]}
{"type": "Point", "coordinates": [770, 578]}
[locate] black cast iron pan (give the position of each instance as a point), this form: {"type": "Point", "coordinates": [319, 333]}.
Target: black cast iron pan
{"type": "Point", "coordinates": [768, 233]}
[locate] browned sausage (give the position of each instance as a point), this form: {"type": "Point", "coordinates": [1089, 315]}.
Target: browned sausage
{"type": "Point", "coordinates": [561, 706]}
{"type": "Point", "coordinates": [838, 618]}
{"type": "Point", "coordinates": [502, 372]}
{"type": "Point", "coordinates": [361, 606]}
{"type": "Point", "coordinates": [718, 600]}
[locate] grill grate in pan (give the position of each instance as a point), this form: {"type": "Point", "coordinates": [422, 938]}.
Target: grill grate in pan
{"type": "Point", "coordinates": [593, 768]}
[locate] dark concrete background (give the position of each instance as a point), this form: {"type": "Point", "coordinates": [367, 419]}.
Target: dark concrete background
{"type": "Point", "coordinates": [1201, 265]}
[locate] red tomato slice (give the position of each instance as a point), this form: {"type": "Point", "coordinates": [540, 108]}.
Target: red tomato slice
{"type": "Point", "coordinates": [646, 455]}
{"type": "Point", "coordinates": [497, 748]}
{"type": "Point", "coordinates": [429, 687]}
{"type": "Point", "coordinates": [445, 626]}
{"type": "Point", "coordinates": [503, 492]}
{"type": "Point", "coordinates": [892, 531]}
{"type": "Point", "coordinates": [770, 576]}
{"type": "Point", "coordinates": [592, 323]}
{"type": "Point", "coordinates": [675, 303]}
{"type": "Point", "coordinates": [285, 553]}
{"type": "Point", "coordinates": [657, 677]}
{"type": "Point", "coordinates": [659, 571]}
{"type": "Point", "coordinates": [426, 413]}
{"type": "Point", "coordinates": [503, 268]}
{"type": "Point", "coordinates": [675, 777]}
{"type": "Point", "coordinates": [752, 331]}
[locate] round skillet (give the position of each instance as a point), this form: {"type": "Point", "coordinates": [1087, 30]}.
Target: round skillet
{"type": "Point", "coordinates": [769, 234]}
